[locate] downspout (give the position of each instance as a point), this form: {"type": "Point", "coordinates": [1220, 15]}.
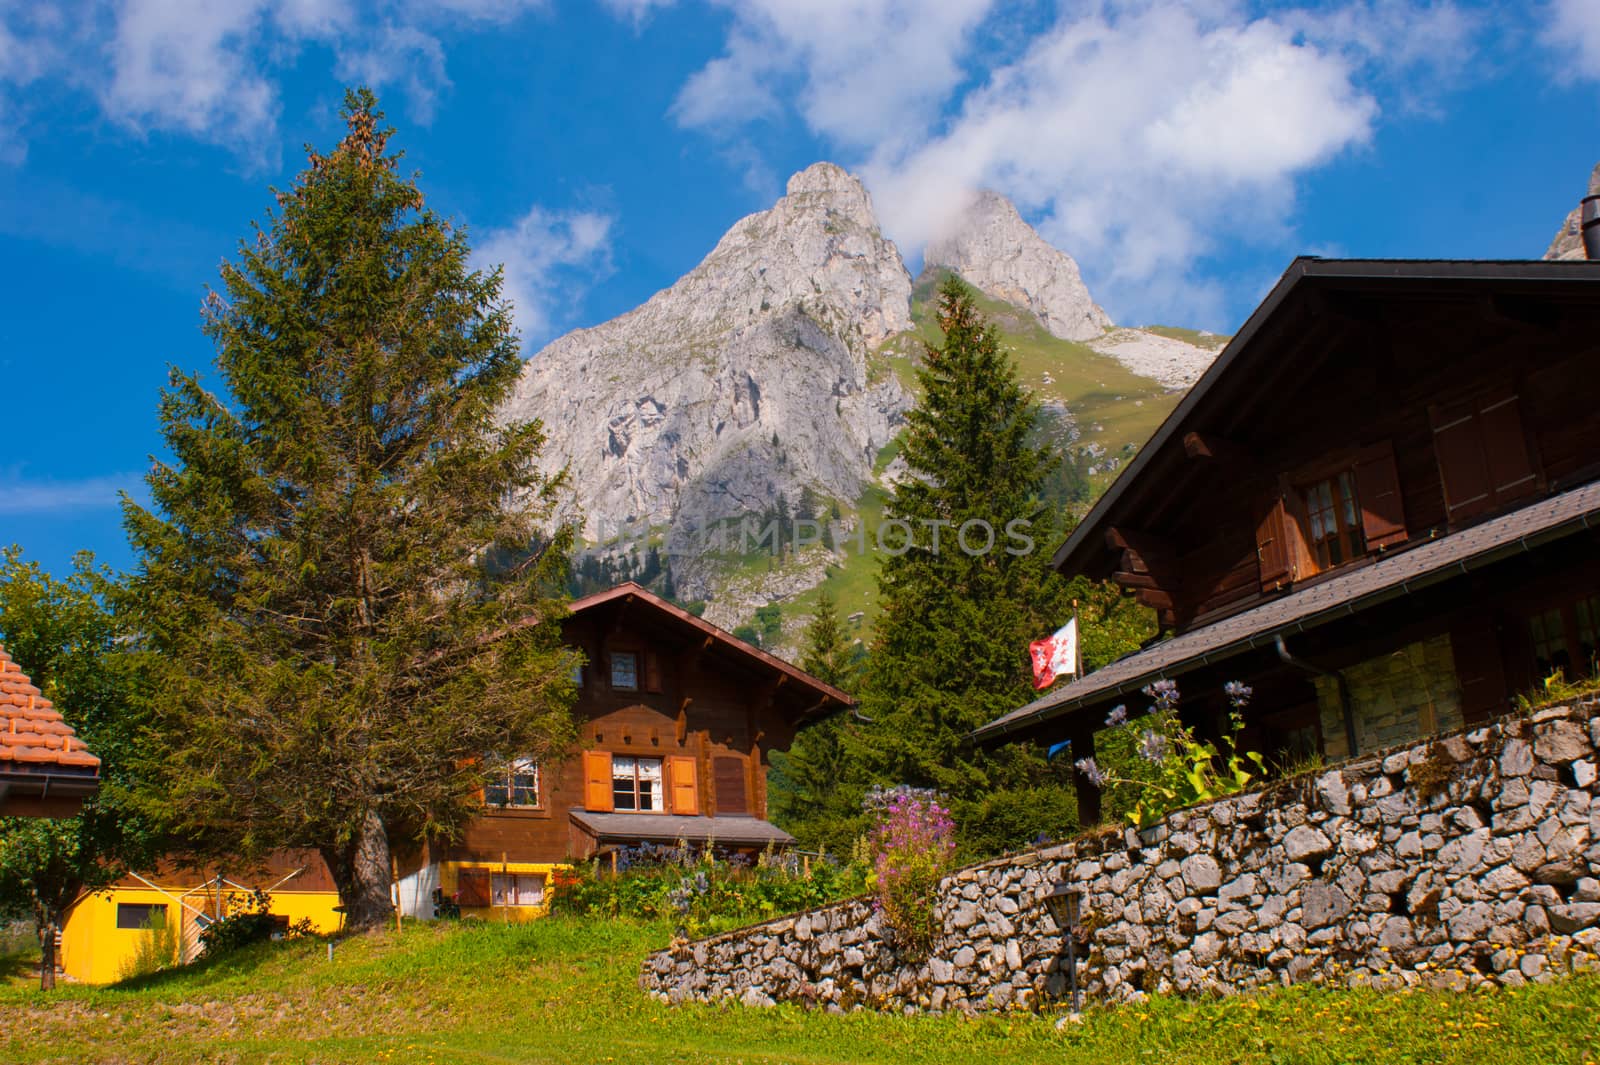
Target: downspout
{"type": "Point", "coordinates": [1338, 679]}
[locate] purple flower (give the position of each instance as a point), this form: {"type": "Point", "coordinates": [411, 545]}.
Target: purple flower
{"type": "Point", "coordinates": [1153, 746]}
{"type": "Point", "coordinates": [1164, 692]}
{"type": "Point", "coordinates": [1238, 693]}
{"type": "Point", "coordinates": [1118, 716]}
{"type": "Point", "coordinates": [1089, 769]}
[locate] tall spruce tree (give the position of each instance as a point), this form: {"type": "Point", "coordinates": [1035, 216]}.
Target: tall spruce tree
{"type": "Point", "coordinates": [958, 609]}
{"type": "Point", "coordinates": [804, 787]}
{"type": "Point", "coordinates": [342, 657]}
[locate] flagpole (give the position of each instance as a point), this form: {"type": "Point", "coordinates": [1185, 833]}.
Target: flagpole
{"type": "Point", "coordinates": [1077, 644]}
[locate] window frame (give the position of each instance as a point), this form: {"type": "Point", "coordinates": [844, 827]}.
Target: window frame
{"type": "Point", "coordinates": [151, 910]}
{"type": "Point", "coordinates": [658, 797]}
{"type": "Point", "coordinates": [497, 886]}
{"type": "Point", "coordinates": [1349, 535]}
{"type": "Point", "coordinates": [506, 781]}
{"type": "Point", "coordinates": [1567, 637]}
{"type": "Point", "coordinates": [635, 658]}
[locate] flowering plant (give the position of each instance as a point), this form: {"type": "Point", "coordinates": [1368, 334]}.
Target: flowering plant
{"type": "Point", "coordinates": [1173, 767]}
{"type": "Point", "coordinates": [913, 845]}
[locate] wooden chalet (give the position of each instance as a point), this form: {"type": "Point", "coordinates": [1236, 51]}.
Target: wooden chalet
{"type": "Point", "coordinates": [677, 720]}
{"type": "Point", "coordinates": [1379, 508]}
{"type": "Point", "coordinates": [45, 770]}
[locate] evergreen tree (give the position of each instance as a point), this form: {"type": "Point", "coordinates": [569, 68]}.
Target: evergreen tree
{"type": "Point", "coordinates": [339, 665]}
{"type": "Point", "coordinates": [950, 650]}
{"type": "Point", "coordinates": [68, 641]}
{"type": "Point", "coordinates": [804, 787]}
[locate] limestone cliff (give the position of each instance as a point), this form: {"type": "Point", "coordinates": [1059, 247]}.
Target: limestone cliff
{"type": "Point", "coordinates": [747, 378]}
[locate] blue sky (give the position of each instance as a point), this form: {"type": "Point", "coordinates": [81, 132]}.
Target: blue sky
{"type": "Point", "coordinates": [1182, 153]}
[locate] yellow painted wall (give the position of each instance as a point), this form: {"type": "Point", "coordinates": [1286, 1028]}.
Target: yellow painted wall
{"type": "Point", "coordinates": [95, 951]}
{"type": "Point", "coordinates": [447, 885]}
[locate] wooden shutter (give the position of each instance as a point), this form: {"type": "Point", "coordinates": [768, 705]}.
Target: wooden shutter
{"type": "Point", "coordinates": [597, 782]}
{"type": "Point", "coordinates": [1383, 517]}
{"type": "Point", "coordinates": [1505, 449]}
{"type": "Point", "coordinates": [682, 785]}
{"type": "Point", "coordinates": [727, 775]}
{"type": "Point", "coordinates": [1273, 548]}
{"type": "Point", "coordinates": [652, 671]}
{"type": "Point", "coordinates": [1458, 447]}
{"type": "Point", "coordinates": [1480, 668]}
{"type": "Point", "coordinates": [472, 887]}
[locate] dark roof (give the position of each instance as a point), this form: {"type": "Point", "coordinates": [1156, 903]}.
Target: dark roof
{"type": "Point", "coordinates": [826, 695]}
{"type": "Point", "coordinates": [1379, 278]}
{"type": "Point", "coordinates": [663, 828]}
{"type": "Point", "coordinates": [1317, 604]}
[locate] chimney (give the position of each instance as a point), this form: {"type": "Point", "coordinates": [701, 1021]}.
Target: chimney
{"type": "Point", "coordinates": [1589, 223]}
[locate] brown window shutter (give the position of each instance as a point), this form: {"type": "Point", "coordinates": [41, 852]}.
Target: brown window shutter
{"type": "Point", "coordinates": [652, 671]}
{"type": "Point", "coordinates": [727, 775]}
{"type": "Point", "coordinates": [1505, 447]}
{"type": "Point", "coordinates": [597, 782]}
{"type": "Point", "coordinates": [1273, 547]}
{"type": "Point", "coordinates": [682, 785]}
{"type": "Point", "coordinates": [1480, 668]}
{"type": "Point", "coordinates": [472, 887]}
{"type": "Point", "coordinates": [1383, 517]}
{"type": "Point", "coordinates": [1458, 447]}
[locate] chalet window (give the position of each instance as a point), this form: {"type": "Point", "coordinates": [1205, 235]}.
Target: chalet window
{"type": "Point", "coordinates": [135, 915]}
{"type": "Point", "coordinates": [636, 784]}
{"type": "Point", "coordinates": [1333, 515]}
{"type": "Point", "coordinates": [517, 786]}
{"type": "Point", "coordinates": [577, 674]}
{"type": "Point", "coordinates": [1566, 639]}
{"type": "Point", "coordinates": [625, 671]}
{"type": "Point", "coordinates": [1330, 513]}
{"type": "Point", "coordinates": [516, 889]}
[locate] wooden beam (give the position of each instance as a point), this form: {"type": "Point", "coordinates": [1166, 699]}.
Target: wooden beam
{"type": "Point", "coordinates": [1135, 580]}
{"type": "Point", "coordinates": [1221, 449]}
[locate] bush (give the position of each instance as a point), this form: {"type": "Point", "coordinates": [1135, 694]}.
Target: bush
{"type": "Point", "coordinates": [702, 891]}
{"type": "Point", "coordinates": [250, 920]}
{"type": "Point", "coordinates": [1157, 764]}
{"type": "Point", "coordinates": [913, 846]}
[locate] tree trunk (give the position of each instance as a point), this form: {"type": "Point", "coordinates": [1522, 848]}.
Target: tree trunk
{"type": "Point", "coordinates": [361, 871]}
{"type": "Point", "coordinates": [47, 960]}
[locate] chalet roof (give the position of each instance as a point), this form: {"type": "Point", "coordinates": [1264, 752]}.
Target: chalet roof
{"type": "Point", "coordinates": [33, 737]}
{"type": "Point", "coordinates": [1338, 596]}
{"type": "Point", "coordinates": [659, 828]}
{"type": "Point", "coordinates": [826, 695]}
{"type": "Point", "coordinates": [1308, 283]}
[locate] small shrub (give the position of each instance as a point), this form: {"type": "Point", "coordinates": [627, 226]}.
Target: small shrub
{"type": "Point", "coordinates": [250, 920]}
{"type": "Point", "coordinates": [1172, 767]}
{"type": "Point", "coordinates": [701, 890]}
{"type": "Point", "coordinates": [160, 947]}
{"type": "Point", "coordinates": [913, 846]}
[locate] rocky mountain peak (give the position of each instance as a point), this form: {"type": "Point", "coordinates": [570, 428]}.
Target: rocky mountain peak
{"type": "Point", "coordinates": [1569, 240]}
{"type": "Point", "coordinates": [997, 252]}
{"type": "Point", "coordinates": [748, 378]}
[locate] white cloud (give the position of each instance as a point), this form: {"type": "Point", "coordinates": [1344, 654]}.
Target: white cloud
{"type": "Point", "coordinates": [399, 55]}
{"type": "Point", "coordinates": [550, 258]}
{"type": "Point", "coordinates": [1573, 28]}
{"type": "Point", "coordinates": [21, 496]}
{"type": "Point", "coordinates": [862, 71]}
{"type": "Point", "coordinates": [634, 11]}
{"type": "Point", "coordinates": [1139, 137]}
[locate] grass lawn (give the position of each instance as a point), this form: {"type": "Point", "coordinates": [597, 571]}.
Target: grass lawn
{"type": "Point", "coordinates": [563, 991]}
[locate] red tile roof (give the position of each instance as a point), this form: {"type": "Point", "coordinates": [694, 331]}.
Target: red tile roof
{"type": "Point", "coordinates": [32, 733]}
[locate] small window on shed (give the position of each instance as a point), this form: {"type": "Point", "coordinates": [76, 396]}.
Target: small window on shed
{"type": "Point", "coordinates": [137, 915]}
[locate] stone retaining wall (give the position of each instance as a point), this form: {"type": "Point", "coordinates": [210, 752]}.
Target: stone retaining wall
{"type": "Point", "coordinates": [1468, 860]}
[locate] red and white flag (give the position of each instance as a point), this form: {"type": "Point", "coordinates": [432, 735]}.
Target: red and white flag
{"type": "Point", "coordinates": [1056, 656]}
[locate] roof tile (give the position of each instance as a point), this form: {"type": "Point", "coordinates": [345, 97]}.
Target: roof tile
{"type": "Point", "coordinates": [31, 728]}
